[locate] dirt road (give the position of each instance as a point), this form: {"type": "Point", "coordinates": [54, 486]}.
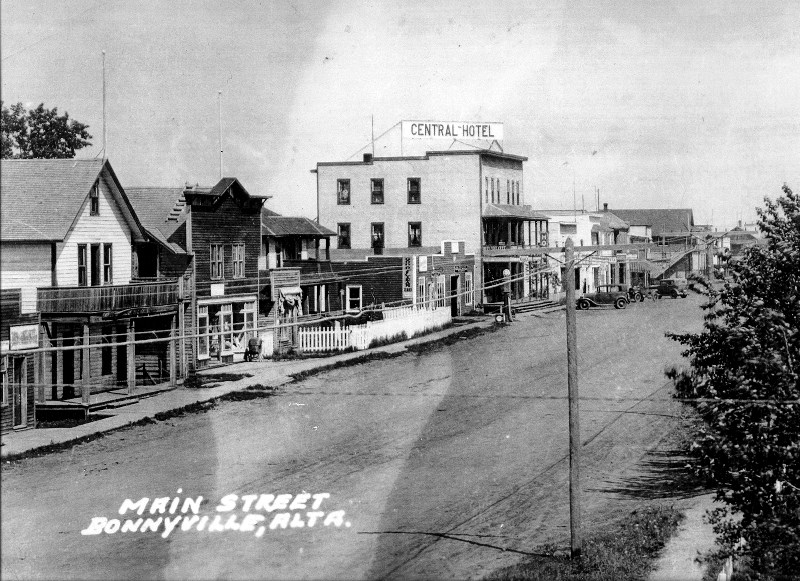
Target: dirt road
{"type": "Point", "coordinates": [447, 464]}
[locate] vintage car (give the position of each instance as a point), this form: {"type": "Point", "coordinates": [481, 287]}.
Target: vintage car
{"type": "Point", "coordinates": [606, 294]}
{"type": "Point", "coordinates": [670, 287]}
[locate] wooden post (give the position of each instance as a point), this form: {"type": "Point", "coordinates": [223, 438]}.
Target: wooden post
{"type": "Point", "coordinates": [87, 365]}
{"type": "Point", "coordinates": [173, 375]}
{"type": "Point", "coordinates": [181, 338]}
{"type": "Point", "coordinates": [131, 352]}
{"type": "Point", "coordinates": [574, 424]}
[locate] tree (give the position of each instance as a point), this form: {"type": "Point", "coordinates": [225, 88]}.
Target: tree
{"type": "Point", "coordinates": [745, 380]}
{"type": "Point", "coordinates": [40, 133]}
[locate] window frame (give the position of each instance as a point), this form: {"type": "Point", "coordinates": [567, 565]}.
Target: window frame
{"type": "Point", "coordinates": [421, 291]}
{"type": "Point", "coordinates": [216, 259]}
{"type": "Point", "coordinates": [373, 239]}
{"type": "Point", "coordinates": [108, 263]}
{"type": "Point", "coordinates": [94, 199]}
{"type": "Point", "coordinates": [339, 237]}
{"type": "Point", "coordinates": [411, 225]}
{"type": "Point", "coordinates": [348, 298]}
{"type": "Point", "coordinates": [469, 288]}
{"type": "Point", "coordinates": [340, 200]}
{"type": "Point", "coordinates": [203, 337]}
{"type": "Point", "coordinates": [83, 266]}
{"type": "Point", "coordinates": [372, 183]}
{"type": "Point", "coordinates": [238, 259]}
{"type": "Point", "coordinates": [418, 199]}
{"type": "Point", "coordinates": [226, 335]}
{"type": "Point", "coordinates": [441, 292]}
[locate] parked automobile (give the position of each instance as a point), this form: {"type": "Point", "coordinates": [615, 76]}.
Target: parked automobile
{"type": "Point", "coordinates": [635, 294]}
{"type": "Point", "coordinates": [670, 287]}
{"type": "Point", "coordinates": [606, 294]}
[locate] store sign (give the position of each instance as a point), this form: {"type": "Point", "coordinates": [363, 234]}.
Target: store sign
{"type": "Point", "coordinates": [218, 289]}
{"type": "Point", "coordinates": [407, 267]}
{"type": "Point", "coordinates": [423, 264]}
{"type": "Point", "coordinates": [24, 337]}
{"type": "Point", "coordinates": [452, 130]}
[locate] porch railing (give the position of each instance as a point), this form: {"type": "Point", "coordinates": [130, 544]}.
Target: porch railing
{"type": "Point", "coordinates": [117, 297]}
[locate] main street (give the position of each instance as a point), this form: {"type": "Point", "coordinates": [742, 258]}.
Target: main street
{"type": "Point", "coordinates": [449, 463]}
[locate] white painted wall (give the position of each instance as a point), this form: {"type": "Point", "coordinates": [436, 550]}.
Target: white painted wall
{"type": "Point", "coordinates": [109, 226]}
{"type": "Point", "coordinates": [26, 267]}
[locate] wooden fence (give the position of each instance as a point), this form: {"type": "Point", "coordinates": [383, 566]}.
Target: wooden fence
{"type": "Point", "coordinates": [410, 321]}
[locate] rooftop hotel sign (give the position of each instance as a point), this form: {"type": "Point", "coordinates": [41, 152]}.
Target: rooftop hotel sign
{"type": "Point", "coordinates": [452, 130]}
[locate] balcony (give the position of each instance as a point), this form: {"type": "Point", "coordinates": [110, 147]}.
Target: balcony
{"type": "Point", "coordinates": [118, 297]}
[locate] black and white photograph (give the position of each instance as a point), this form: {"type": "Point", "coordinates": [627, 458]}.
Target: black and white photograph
{"type": "Point", "coordinates": [363, 289]}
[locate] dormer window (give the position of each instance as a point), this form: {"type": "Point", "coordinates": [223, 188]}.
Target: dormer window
{"type": "Point", "coordinates": [94, 200]}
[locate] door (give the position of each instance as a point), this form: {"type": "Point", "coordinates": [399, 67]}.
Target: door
{"type": "Point", "coordinates": [95, 264]}
{"type": "Point", "coordinates": [68, 367]}
{"type": "Point", "coordinates": [122, 356]}
{"type": "Point", "coordinates": [18, 391]}
{"type": "Point", "coordinates": [454, 295]}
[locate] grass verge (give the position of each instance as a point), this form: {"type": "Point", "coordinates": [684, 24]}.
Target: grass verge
{"type": "Point", "coordinates": [624, 550]}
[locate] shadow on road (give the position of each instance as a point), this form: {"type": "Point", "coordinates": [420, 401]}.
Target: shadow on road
{"type": "Point", "coordinates": [661, 474]}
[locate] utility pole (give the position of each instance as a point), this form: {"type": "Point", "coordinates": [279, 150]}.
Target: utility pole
{"type": "Point", "coordinates": [574, 424]}
{"type": "Point", "coordinates": [105, 153]}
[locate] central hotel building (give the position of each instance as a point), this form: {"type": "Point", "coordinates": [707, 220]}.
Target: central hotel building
{"type": "Point", "coordinates": [409, 205]}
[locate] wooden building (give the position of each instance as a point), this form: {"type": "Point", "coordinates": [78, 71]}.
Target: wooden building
{"type": "Point", "coordinates": [18, 371]}
{"type": "Point", "coordinates": [70, 238]}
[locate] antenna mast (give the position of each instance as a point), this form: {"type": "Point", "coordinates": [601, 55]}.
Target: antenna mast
{"type": "Point", "coordinates": [104, 106]}
{"type": "Point", "coordinates": [219, 110]}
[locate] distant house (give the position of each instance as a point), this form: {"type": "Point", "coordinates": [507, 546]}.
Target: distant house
{"type": "Point", "coordinates": [677, 222]}
{"type": "Point", "coordinates": [70, 238]}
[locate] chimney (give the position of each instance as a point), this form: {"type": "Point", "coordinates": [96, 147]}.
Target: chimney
{"type": "Point", "coordinates": [605, 206]}
{"type": "Point", "coordinates": [367, 158]}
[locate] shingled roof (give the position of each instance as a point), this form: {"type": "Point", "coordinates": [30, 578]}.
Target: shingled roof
{"type": "Point", "coordinates": [510, 211]}
{"type": "Point", "coordinates": [161, 212]}
{"type": "Point", "coordinates": [664, 220]}
{"type": "Point", "coordinates": [278, 226]}
{"type": "Point", "coordinates": [41, 198]}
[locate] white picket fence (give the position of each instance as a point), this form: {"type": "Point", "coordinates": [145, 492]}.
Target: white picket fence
{"type": "Point", "coordinates": [409, 320]}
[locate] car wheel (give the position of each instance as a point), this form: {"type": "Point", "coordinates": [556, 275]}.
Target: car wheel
{"type": "Point", "coordinates": [620, 303]}
{"type": "Point", "coordinates": [583, 305]}
{"type": "Point", "coordinates": [638, 297]}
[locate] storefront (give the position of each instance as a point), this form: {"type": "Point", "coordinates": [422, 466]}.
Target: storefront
{"type": "Point", "coordinates": [224, 326]}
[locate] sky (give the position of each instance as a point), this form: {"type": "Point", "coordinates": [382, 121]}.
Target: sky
{"type": "Point", "coordinates": [667, 104]}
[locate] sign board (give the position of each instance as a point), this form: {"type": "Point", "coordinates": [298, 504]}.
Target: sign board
{"type": "Point", "coordinates": [283, 277]}
{"type": "Point", "coordinates": [24, 337]}
{"type": "Point", "coordinates": [452, 130]}
{"type": "Point", "coordinates": [218, 289]}
{"type": "Point", "coordinates": [423, 264]}
{"type": "Point", "coordinates": [407, 275]}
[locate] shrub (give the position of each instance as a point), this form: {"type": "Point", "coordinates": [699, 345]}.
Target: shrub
{"type": "Point", "coordinates": [745, 381]}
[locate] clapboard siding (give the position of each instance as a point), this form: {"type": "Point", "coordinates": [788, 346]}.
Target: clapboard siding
{"type": "Point", "coordinates": [26, 267]}
{"type": "Point", "coordinates": [109, 226]}
{"type": "Point", "coordinates": [226, 224]}
{"type": "Point", "coordinates": [381, 280]}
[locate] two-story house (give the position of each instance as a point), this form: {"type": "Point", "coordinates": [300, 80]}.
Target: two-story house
{"type": "Point", "coordinates": [209, 237]}
{"type": "Point", "coordinates": [69, 240]}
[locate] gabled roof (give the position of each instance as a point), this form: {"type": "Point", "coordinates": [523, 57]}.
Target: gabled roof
{"type": "Point", "coordinates": [221, 187]}
{"type": "Point", "coordinates": [509, 211]}
{"type": "Point", "coordinates": [669, 220]}
{"type": "Point", "coordinates": [276, 225]}
{"type": "Point", "coordinates": [40, 199]}
{"type": "Point", "coordinates": [160, 211]}
{"type": "Point", "coordinates": [613, 222]}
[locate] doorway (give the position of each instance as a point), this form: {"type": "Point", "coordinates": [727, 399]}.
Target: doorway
{"type": "Point", "coordinates": [18, 394]}
{"type": "Point", "coordinates": [68, 367]}
{"type": "Point", "coordinates": [122, 356]}
{"type": "Point", "coordinates": [454, 295]}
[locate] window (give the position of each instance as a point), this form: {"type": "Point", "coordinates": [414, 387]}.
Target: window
{"type": "Point", "coordinates": [508, 191]}
{"type": "Point", "coordinates": [343, 236]}
{"type": "Point", "coordinates": [414, 234]}
{"type": "Point", "coordinates": [238, 260]}
{"type": "Point", "coordinates": [421, 291]}
{"type": "Point", "coordinates": [217, 262]}
{"type": "Point", "coordinates": [343, 192]}
{"type": "Point", "coordinates": [108, 264]}
{"type": "Point", "coordinates": [377, 237]}
{"type": "Point", "coordinates": [82, 274]}
{"type": "Point", "coordinates": [567, 229]}
{"type": "Point", "coordinates": [468, 288]}
{"type": "Point", "coordinates": [377, 191]}
{"type": "Point", "coordinates": [202, 330]}
{"type": "Point", "coordinates": [353, 298]}
{"type": "Point", "coordinates": [486, 183]}
{"type": "Point", "coordinates": [94, 200]}
{"type": "Point", "coordinates": [492, 190]}
{"type": "Point", "coordinates": [414, 191]}
{"type": "Point", "coordinates": [226, 325]}
{"type": "Point", "coordinates": [441, 299]}
{"type": "Point", "coordinates": [105, 351]}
